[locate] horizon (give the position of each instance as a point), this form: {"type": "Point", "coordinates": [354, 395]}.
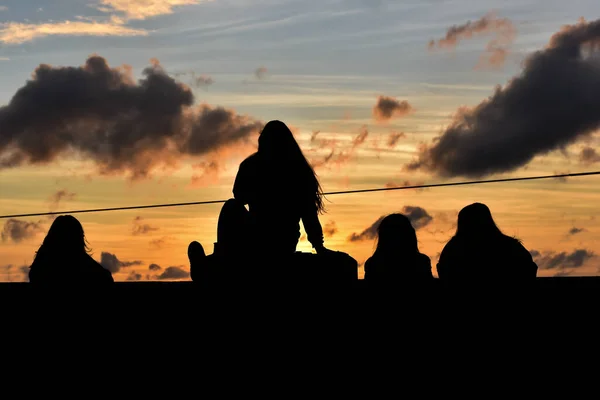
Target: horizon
{"type": "Point", "coordinates": [386, 95]}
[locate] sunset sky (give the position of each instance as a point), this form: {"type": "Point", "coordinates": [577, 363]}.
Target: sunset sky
{"type": "Point", "coordinates": [366, 86]}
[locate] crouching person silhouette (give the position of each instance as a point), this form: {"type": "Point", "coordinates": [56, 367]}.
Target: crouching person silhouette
{"type": "Point", "coordinates": [63, 258]}
{"type": "Point", "coordinates": [233, 257]}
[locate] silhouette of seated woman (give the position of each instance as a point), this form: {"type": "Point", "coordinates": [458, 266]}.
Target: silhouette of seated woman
{"type": "Point", "coordinates": [281, 189]}
{"type": "Point", "coordinates": [479, 252]}
{"type": "Point", "coordinates": [397, 259]}
{"type": "Point", "coordinates": [63, 257]}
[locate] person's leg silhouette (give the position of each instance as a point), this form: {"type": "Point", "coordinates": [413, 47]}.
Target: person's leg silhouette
{"type": "Point", "coordinates": [197, 257]}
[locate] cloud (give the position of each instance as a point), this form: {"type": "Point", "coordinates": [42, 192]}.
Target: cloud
{"type": "Point", "coordinates": [134, 276]}
{"type": "Point", "coordinates": [103, 115]}
{"type": "Point", "coordinates": [205, 173]}
{"type": "Point", "coordinates": [10, 272]}
{"type": "Point", "coordinates": [588, 156]}
{"type": "Point", "coordinates": [496, 49]}
{"type": "Point", "coordinates": [387, 108]}
{"type": "Point", "coordinates": [418, 217]}
{"type": "Point", "coordinates": [368, 234]}
{"type": "Point", "coordinates": [394, 137]}
{"type": "Point", "coordinates": [551, 104]}
{"type": "Point", "coordinates": [140, 228]}
{"type": "Point", "coordinates": [261, 73]}
{"type": "Point", "coordinates": [3, 8]}
{"type": "Point", "coordinates": [563, 261]}
{"type": "Point", "coordinates": [160, 242]}
{"type": "Point", "coordinates": [330, 229]}
{"type": "Point", "coordinates": [60, 195]}
{"type": "Point", "coordinates": [154, 267]}
{"type": "Point", "coordinates": [16, 33]}
{"type": "Point", "coordinates": [113, 264]}
{"type": "Point", "coordinates": [406, 183]}
{"type": "Point", "coordinates": [574, 231]}
{"type": "Point", "coordinates": [337, 155]}
{"type": "Point", "coordinates": [4, 59]}
{"type": "Point", "coordinates": [143, 9]}
{"type": "Point", "coordinates": [174, 273]}
{"type": "Point", "coordinates": [203, 81]}
{"type": "Point", "coordinates": [18, 230]}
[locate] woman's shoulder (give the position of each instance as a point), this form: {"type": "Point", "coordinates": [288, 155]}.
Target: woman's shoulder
{"type": "Point", "coordinates": [251, 160]}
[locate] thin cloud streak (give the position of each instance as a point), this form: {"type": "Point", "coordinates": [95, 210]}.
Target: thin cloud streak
{"type": "Point", "coordinates": [143, 9]}
{"type": "Point", "coordinates": [12, 33]}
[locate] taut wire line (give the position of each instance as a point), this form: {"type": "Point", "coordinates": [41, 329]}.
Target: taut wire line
{"type": "Point", "coordinates": [195, 203]}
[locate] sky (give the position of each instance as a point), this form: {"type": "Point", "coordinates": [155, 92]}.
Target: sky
{"type": "Point", "coordinates": [109, 103]}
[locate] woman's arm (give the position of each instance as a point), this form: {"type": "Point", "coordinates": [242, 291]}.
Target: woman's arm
{"type": "Point", "coordinates": [312, 226]}
{"type": "Point", "coordinates": [243, 186]}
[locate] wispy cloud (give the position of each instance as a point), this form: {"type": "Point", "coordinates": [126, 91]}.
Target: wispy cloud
{"type": "Point", "coordinates": [4, 59]}
{"type": "Point", "coordinates": [142, 9]}
{"type": "Point", "coordinates": [113, 264]}
{"type": "Point", "coordinates": [3, 8]}
{"type": "Point", "coordinates": [141, 228]}
{"type": "Point", "coordinates": [563, 262]}
{"type": "Point", "coordinates": [261, 72]}
{"type": "Point", "coordinates": [57, 197]}
{"type": "Point", "coordinates": [389, 107]}
{"type": "Point", "coordinates": [17, 33]}
{"type": "Point", "coordinates": [114, 24]}
{"type": "Point", "coordinates": [17, 230]}
{"type": "Point", "coordinates": [496, 50]}
{"type": "Point", "coordinates": [588, 156]}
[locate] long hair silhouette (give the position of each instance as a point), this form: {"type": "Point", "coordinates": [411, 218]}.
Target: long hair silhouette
{"type": "Point", "coordinates": [64, 257]}
{"type": "Point", "coordinates": [65, 236]}
{"type": "Point", "coordinates": [396, 235]}
{"type": "Point", "coordinates": [278, 148]}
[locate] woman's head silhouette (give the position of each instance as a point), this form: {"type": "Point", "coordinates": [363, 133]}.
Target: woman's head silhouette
{"type": "Point", "coordinates": [396, 234]}
{"type": "Point", "coordinates": [65, 235]}
{"type": "Point", "coordinates": [476, 220]}
{"type": "Point", "coordinates": [282, 154]}
{"type": "Point", "coordinates": [277, 141]}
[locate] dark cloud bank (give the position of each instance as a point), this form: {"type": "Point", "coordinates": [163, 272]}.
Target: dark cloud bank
{"type": "Point", "coordinates": [102, 114]}
{"type": "Point", "coordinates": [551, 104]}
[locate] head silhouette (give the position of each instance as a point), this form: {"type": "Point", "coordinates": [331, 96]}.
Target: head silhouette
{"type": "Point", "coordinates": [475, 220]}
{"type": "Point", "coordinates": [279, 149]}
{"type": "Point", "coordinates": [276, 141]}
{"type": "Point", "coordinates": [396, 234]}
{"type": "Point", "coordinates": [65, 235]}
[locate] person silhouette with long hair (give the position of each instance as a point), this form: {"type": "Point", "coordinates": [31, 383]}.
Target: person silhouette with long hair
{"type": "Point", "coordinates": [63, 257]}
{"type": "Point", "coordinates": [281, 189]}
{"type": "Point", "coordinates": [397, 259]}
{"type": "Point", "coordinates": [258, 244]}
{"type": "Point", "coordinates": [479, 251]}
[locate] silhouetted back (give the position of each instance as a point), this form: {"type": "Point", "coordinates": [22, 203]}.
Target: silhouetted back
{"type": "Point", "coordinates": [480, 251]}
{"type": "Point", "coordinates": [63, 257]}
{"type": "Point", "coordinates": [280, 188]}
{"type": "Point", "coordinates": [397, 259]}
